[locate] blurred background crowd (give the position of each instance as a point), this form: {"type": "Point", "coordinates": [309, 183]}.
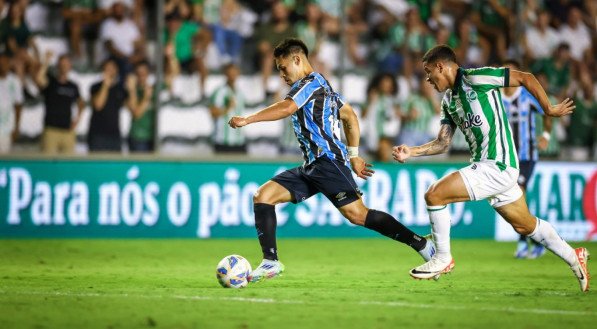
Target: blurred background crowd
{"type": "Point", "coordinates": [164, 76]}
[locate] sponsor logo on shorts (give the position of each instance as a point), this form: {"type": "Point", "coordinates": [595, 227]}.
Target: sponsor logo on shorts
{"type": "Point", "coordinates": [474, 167]}
{"type": "Point", "coordinates": [341, 196]}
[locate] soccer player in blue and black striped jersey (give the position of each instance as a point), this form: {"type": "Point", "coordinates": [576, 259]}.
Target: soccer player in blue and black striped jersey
{"type": "Point", "coordinates": [316, 111]}
{"type": "Point", "coordinates": [522, 108]}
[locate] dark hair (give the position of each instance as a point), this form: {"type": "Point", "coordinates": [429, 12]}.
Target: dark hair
{"type": "Point", "coordinates": [563, 46]}
{"type": "Point", "coordinates": [109, 60]}
{"type": "Point", "coordinates": [512, 62]}
{"type": "Point", "coordinates": [142, 63]}
{"type": "Point", "coordinates": [290, 46]}
{"type": "Point", "coordinates": [439, 53]}
{"type": "Point", "coordinates": [63, 56]}
{"type": "Point", "coordinates": [376, 82]}
{"type": "Point", "coordinates": [229, 66]}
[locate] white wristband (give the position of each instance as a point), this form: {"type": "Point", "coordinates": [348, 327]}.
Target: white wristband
{"type": "Point", "coordinates": [353, 151]}
{"type": "Point", "coordinates": [546, 135]}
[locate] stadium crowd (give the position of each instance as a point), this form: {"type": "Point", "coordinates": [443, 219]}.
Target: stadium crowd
{"type": "Point", "coordinates": [100, 58]}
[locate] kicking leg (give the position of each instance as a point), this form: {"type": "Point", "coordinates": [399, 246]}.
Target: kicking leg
{"type": "Point", "coordinates": [449, 189]}
{"type": "Point", "coordinates": [518, 215]}
{"type": "Point", "coordinates": [357, 213]}
{"type": "Point", "coordinates": [264, 202]}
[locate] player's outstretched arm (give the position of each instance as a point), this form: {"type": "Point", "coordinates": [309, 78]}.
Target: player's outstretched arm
{"type": "Point", "coordinates": [276, 111]}
{"type": "Point", "coordinates": [350, 122]}
{"type": "Point", "coordinates": [545, 137]}
{"type": "Point", "coordinates": [437, 146]}
{"type": "Point", "coordinates": [528, 80]}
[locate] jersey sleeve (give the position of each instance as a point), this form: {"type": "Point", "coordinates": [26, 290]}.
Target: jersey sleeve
{"type": "Point", "coordinates": [491, 77]}
{"type": "Point", "coordinates": [340, 100]}
{"type": "Point", "coordinates": [303, 91]}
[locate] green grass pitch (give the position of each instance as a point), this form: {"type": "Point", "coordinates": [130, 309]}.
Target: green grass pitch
{"type": "Point", "coordinates": [332, 283]}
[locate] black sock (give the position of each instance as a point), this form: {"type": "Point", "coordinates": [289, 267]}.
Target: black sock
{"type": "Point", "coordinates": [522, 238]}
{"type": "Point", "coordinates": [265, 223]}
{"type": "Point", "coordinates": [387, 225]}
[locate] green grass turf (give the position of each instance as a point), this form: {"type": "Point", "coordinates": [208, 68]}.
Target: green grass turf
{"type": "Point", "coordinates": [335, 283]}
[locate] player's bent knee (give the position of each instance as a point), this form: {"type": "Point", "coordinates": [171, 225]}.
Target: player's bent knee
{"type": "Point", "coordinates": [433, 197]}
{"type": "Point", "coordinates": [355, 215]}
{"type": "Point", "coordinates": [523, 229]}
{"type": "Point", "coordinates": [260, 197]}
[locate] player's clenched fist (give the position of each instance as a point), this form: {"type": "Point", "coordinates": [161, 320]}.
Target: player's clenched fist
{"type": "Point", "coordinates": [237, 122]}
{"type": "Point", "coordinates": [401, 153]}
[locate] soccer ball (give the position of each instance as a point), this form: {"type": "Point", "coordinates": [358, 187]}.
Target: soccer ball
{"type": "Point", "coordinates": [232, 271]}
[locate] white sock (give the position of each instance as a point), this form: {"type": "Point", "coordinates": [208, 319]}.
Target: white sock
{"type": "Point", "coordinates": [439, 216]}
{"type": "Point", "coordinates": [546, 235]}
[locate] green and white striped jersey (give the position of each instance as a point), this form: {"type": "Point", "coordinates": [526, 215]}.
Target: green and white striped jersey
{"type": "Point", "coordinates": [475, 106]}
{"type": "Point", "coordinates": [221, 98]}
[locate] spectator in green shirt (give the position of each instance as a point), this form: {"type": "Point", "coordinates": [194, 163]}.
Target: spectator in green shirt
{"type": "Point", "coordinates": [190, 41]}
{"type": "Point", "coordinates": [557, 69]}
{"type": "Point", "coordinates": [227, 101]}
{"type": "Point", "coordinates": [417, 112]}
{"type": "Point", "coordinates": [18, 41]}
{"type": "Point", "coordinates": [583, 121]}
{"type": "Point", "coordinates": [269, 35]}
{"type": "Point", "coordinates": [553, 146]}
{"type": "Point", "coordinates": [493, 20]}
{"type": "Point", "coordinates": [142, 107]}
{"type": "Point", "coordinates": [382, 116]}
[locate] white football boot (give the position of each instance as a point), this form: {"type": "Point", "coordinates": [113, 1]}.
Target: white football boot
{"type": "Point", "coordinates": [580, 269]}
{"type": "Point", "coordinates": [433, 268]}
{"type": "Point", "coordinates": [266, 270]}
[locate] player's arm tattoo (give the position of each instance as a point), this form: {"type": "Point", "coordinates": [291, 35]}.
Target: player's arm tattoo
{"type": "Point", "coordinates": [347, 125]}
{"type": "Point", "coordinates": [439, 145]}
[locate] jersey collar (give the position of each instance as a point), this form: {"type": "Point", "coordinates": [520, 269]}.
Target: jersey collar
{"type": "Point", "coordinates": [458, 80]}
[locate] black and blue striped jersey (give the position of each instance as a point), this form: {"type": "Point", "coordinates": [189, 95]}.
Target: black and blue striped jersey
{"type": "Point", "coordinates": [317, 122]}
{"type": "Point", "coordinates": [522, 108]}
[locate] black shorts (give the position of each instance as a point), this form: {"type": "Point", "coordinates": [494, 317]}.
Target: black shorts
{"type": "Point", "coordinates": [526, 171]}
{"type": "Point", "coordinates": [330, 177]}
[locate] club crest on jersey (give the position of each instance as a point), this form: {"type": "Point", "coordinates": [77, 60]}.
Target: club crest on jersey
{"type": "Point", "coordinates": [471, 95]}
{"type": "Point", "coordinates": [471, 120]}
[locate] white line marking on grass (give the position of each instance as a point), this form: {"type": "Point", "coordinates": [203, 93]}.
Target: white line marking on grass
{"type": "Point", "coordinates": [484, 309]}
{"type": "Point", "coordinates": [183, 297]}
{"type": "Point", "coordinates": [283, 301]}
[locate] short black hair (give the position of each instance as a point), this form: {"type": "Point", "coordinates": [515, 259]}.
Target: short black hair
{"type": "Point", "coordinates": [376, 81]}
{"type": "Point", "coordinates": [143, 63]}
{"type": "Point", "coordinates": [563, 46]}
{"type": "Point", "coordinates": [229, 66]}
{"type": "Point", "coordinates": [437, 53]}
{"type": "Point", "coordinates": [512, 62]}
{"type": "Point", "coordinates": [290, 46]}
{"type": "Point", "coordinates": [63, 56]}
{"type": "Point", "coordinates": [109, 60]}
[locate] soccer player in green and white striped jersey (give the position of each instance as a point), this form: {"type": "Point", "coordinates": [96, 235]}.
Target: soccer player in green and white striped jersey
{"type": "Point", "coordinates": [472, 102]}
{"type": "Point", "coordinates": [227, 102]}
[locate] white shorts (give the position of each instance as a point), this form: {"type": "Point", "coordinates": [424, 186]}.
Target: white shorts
{"type": "Point", "coordinates": [485, 180]}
